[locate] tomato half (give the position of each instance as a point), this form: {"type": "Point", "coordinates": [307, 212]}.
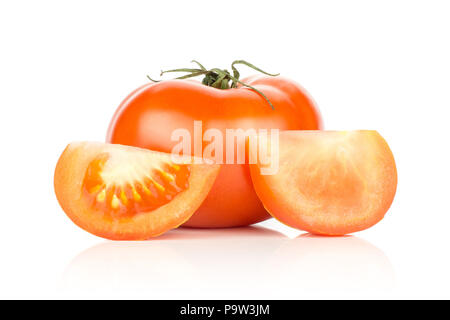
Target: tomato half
{"type": "Point", "coordinates": [125, 193]}
{"type": "Point", "coordinates": [149, 115]}
{"type": "Point", "coordinates": [329, 182]}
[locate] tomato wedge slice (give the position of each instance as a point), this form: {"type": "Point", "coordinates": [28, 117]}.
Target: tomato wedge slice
{"type": "Point", "coordinates": [126, 193]}
{"type": "Point", "coordinates": [329, 182]}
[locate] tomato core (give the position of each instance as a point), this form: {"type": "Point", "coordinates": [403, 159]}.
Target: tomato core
{"type": "Point", "coordinates": [125, 191]}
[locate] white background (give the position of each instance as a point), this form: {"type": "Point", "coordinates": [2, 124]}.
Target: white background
{"type": "Point", "coordinates": [66, 65]}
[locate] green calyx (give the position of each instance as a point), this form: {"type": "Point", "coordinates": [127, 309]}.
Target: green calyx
{"type": "Point", "coordinates": [218, 78]}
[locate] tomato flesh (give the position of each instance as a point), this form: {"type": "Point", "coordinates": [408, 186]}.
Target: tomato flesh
{"type": "Point", "coordinates": [329, 182]}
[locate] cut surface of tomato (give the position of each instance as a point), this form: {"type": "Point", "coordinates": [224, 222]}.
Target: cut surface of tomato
{"type": "Point", "coordinates": [126, 193]}
{"type": "Point", "coordinates": [329, 182]}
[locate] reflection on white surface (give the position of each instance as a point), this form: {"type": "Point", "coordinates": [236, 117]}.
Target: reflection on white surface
{"type": "Point", "coordinates": [331, 264]}
{"type": "Point", "coordinates": [195, 263]}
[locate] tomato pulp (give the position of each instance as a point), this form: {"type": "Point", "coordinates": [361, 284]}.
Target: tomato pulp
{"type": "Point", "coordinates": [149, 115]}
{"type": "Point", "coordinates": [329, 182]}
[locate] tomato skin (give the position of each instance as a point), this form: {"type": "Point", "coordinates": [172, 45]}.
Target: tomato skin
{"type": "Point", "coordinates": [149, 115]}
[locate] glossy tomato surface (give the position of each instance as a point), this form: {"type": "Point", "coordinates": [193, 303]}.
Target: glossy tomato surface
{"type": "Point", "coordinates": [149, 115]}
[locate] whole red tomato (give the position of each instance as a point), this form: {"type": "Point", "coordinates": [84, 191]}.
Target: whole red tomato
{"type": "Point", "coordinates": [149, 115]}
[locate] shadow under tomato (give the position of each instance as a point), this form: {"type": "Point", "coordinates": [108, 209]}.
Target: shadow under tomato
{"type": "Point", "coordinates": [216, 233]}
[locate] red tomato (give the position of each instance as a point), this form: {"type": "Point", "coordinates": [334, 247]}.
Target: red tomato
{"type": "Point", "coordinates": [149, 115]}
